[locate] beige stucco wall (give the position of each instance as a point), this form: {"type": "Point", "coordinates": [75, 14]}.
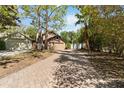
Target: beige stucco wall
{"type": "Point", "coordinates": [57, 44]}
{"type": "Point", "coordinates": [17, 44]}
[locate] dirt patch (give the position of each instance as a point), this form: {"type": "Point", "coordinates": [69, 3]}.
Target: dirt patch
{"type": "Point", "coordinates": [15, 63]}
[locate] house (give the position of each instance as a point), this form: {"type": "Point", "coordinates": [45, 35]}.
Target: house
{"type": "Point", "coordinates": [17, 41]}
{"type": "Point", "coordinates": [54, 41]}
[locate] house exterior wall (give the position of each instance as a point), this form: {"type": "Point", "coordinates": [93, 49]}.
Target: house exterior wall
{"type": "Point", "coordinates": [17, 44]}
{"type": "Point", "coordinates": [57, 44]}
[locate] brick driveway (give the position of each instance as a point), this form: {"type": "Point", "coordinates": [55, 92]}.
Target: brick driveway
{"type": "Point", "coordinates": [34, 76]}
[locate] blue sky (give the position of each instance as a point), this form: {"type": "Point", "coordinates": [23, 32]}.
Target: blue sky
{"type": "Point", "coordinates": [69, 18]}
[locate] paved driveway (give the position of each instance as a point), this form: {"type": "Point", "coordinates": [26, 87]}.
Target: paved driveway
{"type": "Point", "coordinates": [34, 76]}
{"type": "Point", "coordinates": [69, 69]}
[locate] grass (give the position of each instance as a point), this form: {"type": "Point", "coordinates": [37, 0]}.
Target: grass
{"type": "Point", "coordinates": [5, 58]}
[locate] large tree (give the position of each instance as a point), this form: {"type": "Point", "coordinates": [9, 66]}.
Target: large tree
{"type": "Point", "coordinates": [8, 16]}
{"type": "Point", "coordinates": [87, 13]}
{"type": "Point", "coordinates": [53, 19]}
{"type": "Point", "coordinates": [34, 13]}
{"type": "Point", "coordinates": [46, 18]}
{"type": "Point", "coordinates": [103, 27]}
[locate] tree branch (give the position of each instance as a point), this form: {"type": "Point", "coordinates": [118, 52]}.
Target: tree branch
{"type": "Point", "coordinates": [53, 11]}
{"type": "Point", "coordinates": [43, 27]}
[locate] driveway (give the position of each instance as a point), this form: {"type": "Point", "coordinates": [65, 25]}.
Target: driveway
{"type": "Point", "coordinates": [69, 69]}
{"type": "Point", "coordinates": [88, 70]}
{"type": "Point", "coordinates": [34, 76]}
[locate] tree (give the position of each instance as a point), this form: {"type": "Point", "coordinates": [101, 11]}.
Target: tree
{"type": "Point", "coordinates": [34, 13]}
{"type": "Point", "coordinates": [8, 16]}
{"type": "Point", "coordinates": [85, 18]}
{"type": "Point", "coordinates": [53, 19]}
{"type": "Point", "coordinates": [111, 25]}
{"type": "Point", "coordinates": [71, 37]}
{"type": "Point", "coordinates": [66, 38]}
{"type": "Point", "coordinates": [103, 27]}
{"type": "Point", "coordinates": [31, 31]}
{"type": "Point", "coordinates": [45, 18]}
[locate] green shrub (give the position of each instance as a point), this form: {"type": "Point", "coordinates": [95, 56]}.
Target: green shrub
{"type": "Point", "coordinates": [2, 45]}
{"type": "Point", "coordinates": [68, 46]}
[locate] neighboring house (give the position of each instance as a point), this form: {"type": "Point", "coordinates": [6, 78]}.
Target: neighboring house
{"type": "Point", "coordinates": [54, 41]}
{"type": "Point", "coordinates": [17, 41]}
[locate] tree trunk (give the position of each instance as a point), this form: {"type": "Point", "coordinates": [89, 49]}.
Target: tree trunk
{"type": "Point", "coordinates": [87, 44]}
{"type": "Point", "coordinates": [39, 38]}
{"type": "Point", "coordinates": [86, 37]}
{"type": "Point", "coordinates": [46, 34]}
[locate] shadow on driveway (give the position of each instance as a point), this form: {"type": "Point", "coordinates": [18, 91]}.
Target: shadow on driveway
{"type": "Point", "coordinates": [80, 69]}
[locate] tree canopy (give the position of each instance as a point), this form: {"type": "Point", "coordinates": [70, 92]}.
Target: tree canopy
{"type": "Point", "coordinates": [8, 16]}
{"type": "Point", "coordinates": [102, 26]}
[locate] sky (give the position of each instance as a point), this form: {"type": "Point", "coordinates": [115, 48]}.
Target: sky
{"type": "Point", "coordinates": [69, 18]}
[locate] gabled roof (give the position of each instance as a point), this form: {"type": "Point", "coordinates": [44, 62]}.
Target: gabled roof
{"type": "Point", "coordinates": [57, 36]}
{"type": "Point", "coordinates": [50, 32]}
{"type": "Point", "coordinates": [54, 37]}
{"type": "Point", "coordinates": [17, 33]}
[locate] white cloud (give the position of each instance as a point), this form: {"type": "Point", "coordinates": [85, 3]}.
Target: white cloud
{"type": "Point", "coordinates": [71, 20]}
